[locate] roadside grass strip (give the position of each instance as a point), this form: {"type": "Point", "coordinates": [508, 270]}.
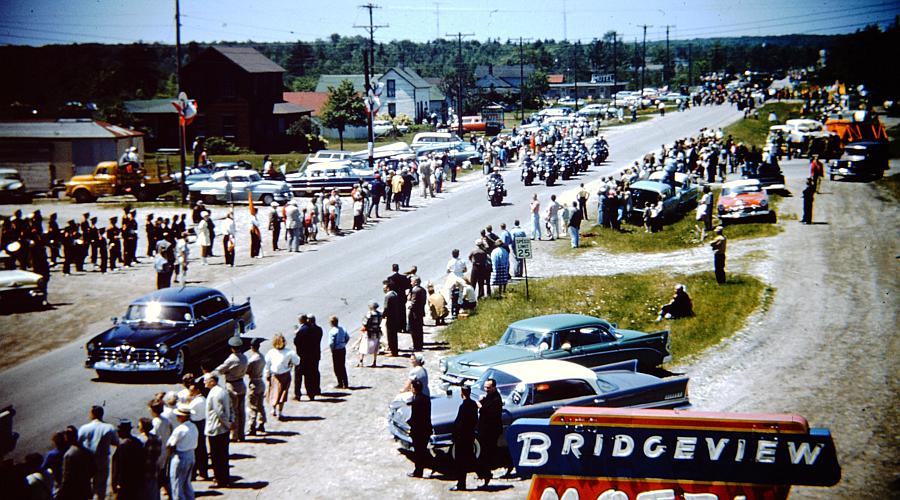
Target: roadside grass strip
{"type": "Point", "coordinates": [630, 300]}
{"type": "Point", "coordinates": [889, 186]}
{"type": "Point", "coordinates": [753, 131]}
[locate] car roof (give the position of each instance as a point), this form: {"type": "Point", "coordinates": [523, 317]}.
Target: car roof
{"type": "Point", "coordinates": [555, 321]}
{"type": "Point", "coordinates": [234, 173]}
{"type": "Point", "coordinates": [184, 295]}
{"type": "Point", "coordinates": [679, 176]}
{"type": "Point", "coordinates": [741, 182]}
{"type": "Point", "coordinates": [8, 171]}
{"type": "Point", "coordinates": [651, 186]}
{"type": "Point", "coordinates": [546, 370]}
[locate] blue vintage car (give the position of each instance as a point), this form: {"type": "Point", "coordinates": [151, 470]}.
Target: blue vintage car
{"type": "Point", "coordinates": [584, 340]}
{"type": "Point", "coordinates": [535, 389]}
{"type": "Point", "coordinates": [169, 331]}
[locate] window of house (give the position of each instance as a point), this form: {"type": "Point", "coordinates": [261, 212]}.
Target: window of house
{"type": "Point", "coordinates": [391, 88]}
{"type": "Point", "coordinates": [392, 109]}
{"type": "Point", "coordinates": [229, 127]}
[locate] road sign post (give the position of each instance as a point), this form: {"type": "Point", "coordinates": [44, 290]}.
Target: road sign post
{"type": "Point", "coordinates": [523, 251]}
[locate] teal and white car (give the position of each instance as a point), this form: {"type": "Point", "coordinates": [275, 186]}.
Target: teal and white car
{"type": "Point", "coordinates": [581, 339]}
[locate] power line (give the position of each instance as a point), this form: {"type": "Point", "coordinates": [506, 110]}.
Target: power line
{"type": "Point", "coordinates": [459, 78]}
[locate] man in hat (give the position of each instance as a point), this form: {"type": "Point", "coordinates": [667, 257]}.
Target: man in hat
{"type": "Point", "coordinates": [128, 465]}
{"type": "Point", "coordinates": [417, 298]}
{"type": "Point", "coordinates": [256, 367]}
{"type": "Point", "coordinates": [275, 224]}
{"type": "Point", "coordinates": [233, 369]}
{"type": "Point", "coordinates": [98, 437]}
{"type": "Point", "coordinates": [718, 246]}
{"type": "Point", "coordinates": [91, 238]}
{"type": "Point", "coordinates": [204, 236]}
{"type": "Point", "coordinates": [197, 212]}
{"type": "Point", "coordinates": [294, 224]}
{"type": "Point", "coordinates": [219, 422]}
{"type": "Point", "coordinates": [337, 342]}
{"type": "Point", "coordinates": [419, 428]}
{"type": "Point", "coordinates": [394, 315]}
{"type": "Point", "coordinates": [181, 445]}
{"type": "Point", "coordinates": [113, 234]}
{"type": "Point", "coordinates": [308, 343]}
{"type": "Point", "coordinates": [376, 191]}
{"type": "Point", "coordinates": [229, 237]}
{"type": "Point", "coordinates": [163, 265]}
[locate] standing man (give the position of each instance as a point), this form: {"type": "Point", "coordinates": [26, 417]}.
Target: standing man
{"type": "Point", "coordinates": [553, 217]}
{"type": "Point", "coordinates": [490, 428]}
{"type": "Point", "coordinates": [300, 335]}
{"type": "Point", "coordinates": [97, 437]}
{"type": "Point", "coordinates": [517, 232]}
{"type": "Point", "coordinates": [181, 446]}
{"type": "Point", "coordinates": [464, 437]}
{"type": "Point", "coordinates": [338, 339]}
{"type": "Point", "coordinates": [78, 467]}
{"type": "Point", "coordinates": [275, 225]}
{"type": "Point", "coordinates": [809, 194]}
{"type": "Point", "coordinates": [219, 422]}
{"type": "Point", "coordinates": [400, 284]}
{"type": "Point", "coordinates": [394, 316]}
{"type": "Point", "coordinates": [310, 354]}
{"type": "Point", "coordinates": [228, 239]}
{"type": "Point", "coordinates": [574, 225]}
{"type": "Point", "coordinates": [256, 367]}
{"type": "Point", "coordinates": [128, 465]}
{"type": "Point", "coordinates": [417, 298]}
{"type": "Point", "coordinates": [425, 171]}
{"type": "Point", "coordinates": [419, 428]}
{"type": "Point", "coordinates": [294, 225]}
{"type": "Point", "coordinates": [204, 236]}
{"type": "Point", "coordinates": [233, 369]}
{"type": "Point", "coordinates": [816, 171]}
{"type": "Point", "coordinates": [481, 274]}
{"type": "Point", "coordinates": [535, 217]}
{"type": "Point", "coordinates": [718, 246]}
{"type": "Point", "coordinates": [376, 191]}
{"type": "Point", "coordinates": [583, 196]}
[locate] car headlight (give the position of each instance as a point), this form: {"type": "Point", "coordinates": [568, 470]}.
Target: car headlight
{"type": "Point", "coordinates": [90, 347]}
{"type": "Point", "coordinates": [443, 365]}
{"type": "Point", "coordinates": [163, 349]}
{"type": "Point", "coordinates": [763, 203]}
{"type": "Point", "coordinates": [721, 208]}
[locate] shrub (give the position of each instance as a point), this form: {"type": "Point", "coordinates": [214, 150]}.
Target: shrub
{"type": "Point", "coordinates": [221, 146]}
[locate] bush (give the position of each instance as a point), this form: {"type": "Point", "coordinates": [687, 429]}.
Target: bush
{"type": "Point", "coordinates": [221, 146]}
{"type": "Point", "coordinates": [403, 119]}
{"type": "Point", "coordinates": [305, 136]}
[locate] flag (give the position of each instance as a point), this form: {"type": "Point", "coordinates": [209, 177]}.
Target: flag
{"type": "Point", "coordinates": [187, 110]}
{"type": "Point", "coordinates": [250, 199]}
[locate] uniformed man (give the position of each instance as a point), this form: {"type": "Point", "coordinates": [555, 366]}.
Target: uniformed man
{"type": "Point", "coordinates": [115, 243]}
{"type": "Point", "coordinates": [417, 300]}
{"type": "Point", "coordinates": [275, 225]}
{"type": "Point", "coordinates": [256, 367]}
{"type": "Point", "coordinates": [718, 246]}
{"type": "Point", "coordinates": [233, 369]}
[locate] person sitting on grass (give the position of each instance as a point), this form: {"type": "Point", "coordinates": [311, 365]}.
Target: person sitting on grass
{"type": "Point", "coordinates": [681, 305]}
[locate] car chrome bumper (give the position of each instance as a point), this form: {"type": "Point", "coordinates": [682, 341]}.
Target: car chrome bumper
{"type": "Point", "coordinates": [667, 359]}
{"type": "Point", "coordinates": [129, 367]}
{"type": "Point", "coordinates": [743, 215]}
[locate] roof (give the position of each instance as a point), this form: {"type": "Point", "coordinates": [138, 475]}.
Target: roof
{"type": "Point", "coordinates": [503, 71]}
{"type": "Point", "coordinates": [66, 128]}
{"type": "Point", "coordinates": [555, 321]}
{"type": "Point", "coordinates": [555, 78]}
{"type": "Point", "coordinates": [492, 81]}
{"type": "Point", "coordinates": [741, 182]}
{"type": "Point", "coordinates": [545, 370]}
{"type": "Point", "coordinates": [185, 295]}
{"type": "Point", "coordinates": [289, 108]}
{"type": "Point", "coordinates": [248, 58]}
{"type": "Point", "coordinates": [651, 186]}
{"type": "Point", "coordinates": [325, 81]}
{"type": "Point", "coordinates": [409, 75]}
{"type": "Point", "coordinates": [151, 106]}
{"type": "Point", "coordinates": [435, 94]}
{"type": "Point", "coordinates": [314, 101]}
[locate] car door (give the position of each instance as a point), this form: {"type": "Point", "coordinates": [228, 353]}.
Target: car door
{"type": "Point", "coordinates": [593, 346]}
{"type": "Point", "coordinates": [214, 326]}
{"type": "Point", "coordinates": [239, 185]}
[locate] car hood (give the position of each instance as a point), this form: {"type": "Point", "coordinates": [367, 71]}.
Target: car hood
{"type": "Point", "coordinates": [751, 199]}
{"type": "Point", "coordinates": [473, 364]}
{"type": "Point", "coordinates": [141, 335]}
{"type": "Point", "coordinates": [18, 278]}
{"type": "Point", "coordinates": [444, 408]}
{"type": "Point", "coordinates": [11, 184]}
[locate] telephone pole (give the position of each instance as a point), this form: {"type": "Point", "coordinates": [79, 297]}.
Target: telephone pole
{"type": "Point", "coordinates": [459, 79]}
{"type": "Point", "coordinates": [643, 66]}
{"type": "Point", "coordinates": [369, 68]}
{"type": "Point", "coordinates": [690, 65]}
{"type": "Point", "coordinates": [522, 79]}
{"type": "Point", "coordinates": [667, 70]}
{"type": "Point", "coordinates": [615, 66]}
{"type": "Point", "coordinates": [182, 140]}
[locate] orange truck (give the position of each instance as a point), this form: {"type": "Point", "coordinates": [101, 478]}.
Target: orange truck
{"type": "Point", "coordinates": [110, 178]}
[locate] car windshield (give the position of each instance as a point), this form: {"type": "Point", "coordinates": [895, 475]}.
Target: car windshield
{"type": "Point", "coordinates": [10, 175]}
{"type": "Point", "coordinates": [506, 383]}
{"type": "Point", "coordinates": [524, 338]}
{"type": "Point", "coordinates": [154, 312]}
{"type": "Point", "coordinates": [733, 190]}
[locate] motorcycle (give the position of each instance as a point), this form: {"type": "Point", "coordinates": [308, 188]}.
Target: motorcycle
{"type": "Point", "coordinates": [552, 174]}
{"type": "Point", "coordinates": [528, 174]}
{"type": "Point", "coordinates": [599, 154]}
{"type": "Point", "coordinates": [495, 191]}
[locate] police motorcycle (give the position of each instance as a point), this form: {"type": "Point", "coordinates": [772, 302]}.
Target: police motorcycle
{"type": "Point", "coordinates": [528, 171]}
{"type": "Point", "coordinates": [582, 157]}
{"type": "Point", "coordinates": [599, 151]}
{"type": "Point", "coordinates": [551, 170]}
{"type": "Point", "coordinates": [495, 189]}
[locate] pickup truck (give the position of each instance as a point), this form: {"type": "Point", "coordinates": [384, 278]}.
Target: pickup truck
{"type": "Point", "coordinates": [581, 339]}
{"type": "Point", "coordinates": [169, 331]}
{"type": "Point", "coordinates": [144, 182]}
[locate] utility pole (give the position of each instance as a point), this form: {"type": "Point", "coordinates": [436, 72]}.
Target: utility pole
{"type": "Point", "coordinates": [369, 68]}
{"type": "Point", "coordinates": [667, 71]}
{"type": "Point", "coordinates": [182, 139]}
{"type": "Point", "coordinates": [522, 79]}
{"type": "Point", "coordinates": [643, 67]}
{"type": "Point", "coordinates": [437, 17]}
{"type": "Point", "coordinates": [459, 80]}
{"type": "Point", "coordinates": [575, 75]}
{"type": "Point", "coordinates": [690, 65]}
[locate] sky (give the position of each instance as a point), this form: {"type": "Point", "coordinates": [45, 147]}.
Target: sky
{"type": "Point", "coordinates": [42, 22]}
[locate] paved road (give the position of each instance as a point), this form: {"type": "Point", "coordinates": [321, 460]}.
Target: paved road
{"type": "Point", "coordinates": [54, 390]}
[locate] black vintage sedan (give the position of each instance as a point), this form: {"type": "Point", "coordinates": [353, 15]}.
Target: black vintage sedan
{"type": "Point", "coordinates": [168, 331]}
{"type": "Point", "coordinates": [535, 389]}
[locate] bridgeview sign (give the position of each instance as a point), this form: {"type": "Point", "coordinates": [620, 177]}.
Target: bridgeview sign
{"type": "Point", "coordinates": [597, 450]}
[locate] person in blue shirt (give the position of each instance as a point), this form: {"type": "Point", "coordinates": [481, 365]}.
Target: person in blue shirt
{"type": "Point", "coordinates": [98, 437]}
{"type": "Point", "coordinates": [338, 339]}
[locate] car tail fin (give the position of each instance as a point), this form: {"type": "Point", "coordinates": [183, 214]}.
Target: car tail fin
{"type": "Point", "coordinates": [630, 365]}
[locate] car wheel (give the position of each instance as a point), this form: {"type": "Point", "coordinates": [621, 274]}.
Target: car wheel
{"type": "Point", "coordinates": [182, 362]}
{"type": "Point", "coordinates": [83, 196]}
{"type": "Point", "coordinates": [267, 199]}
{"type": "Point", "coordinates": [772, 217]}
{"type": "Point", "coordinates": [477, 450]}
{"type": "Point", "coordinates": [104, 376]}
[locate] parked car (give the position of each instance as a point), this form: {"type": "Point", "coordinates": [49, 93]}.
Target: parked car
{"type": "Point", "coordinates": [645, 194]}
{"type": "Point", "coordinates": [328, 176]}
{"type": "Point", "coordinates": [230, 186]}
{"type": "Point", "coordinates": [535, 389]}
{"type": "Point", "coordinates": [457, 153]}
{"type": "Point", "coordinates": [384, 127]}
{"type": "Point", "coordinates": [423, 139]}
{"type": "Point", "coordinates": [204, 172]}
{"type": "Point", "coordinates": [570, 101]}
{"type": "Point", "coordinates": [861, 160]}
{"type": "Point", "coordinates": [585, 340]}
{"type": "Point", "coordinates": [744, 199]}
{"type": "Point", "coordinates": [169, 331]}
{"type": "Point", "coordinates": [769, 175]}
{"type": "Point", "coordinates": [595, 109]}
{"type": "Point", "coordinates": [22, 290]}
{"type": "Point", "coordinates": [685, 187]}
{"type": "Point", "coordinates": [12, 187]}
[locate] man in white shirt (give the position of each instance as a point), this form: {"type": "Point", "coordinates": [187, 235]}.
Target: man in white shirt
{"type": "Point", "coordinates": [553, 217]}
{"type": "Point", "coordinates": [97, 437]}
{"type": "Point", "coordinates": [219, 421]}
{"type": "Point", "coordinates": [456, 265]}
{"type": "Point", "coordinates": [181, 445]}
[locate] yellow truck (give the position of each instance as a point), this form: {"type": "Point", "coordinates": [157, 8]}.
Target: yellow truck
{"type": "Point", "coordinates": [110, 178]}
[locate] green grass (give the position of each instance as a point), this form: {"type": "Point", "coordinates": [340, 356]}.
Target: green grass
{"type": "Point", "coordinates": [894, 145]}
{"type": "Point", "coordinates": [630, 300]}
{"type": "Point", "coordinates": [683, 233]}
{"type": "Point", "coordinates": [753, 132]}
{"type": "Point", "coordinates": [890, 186]}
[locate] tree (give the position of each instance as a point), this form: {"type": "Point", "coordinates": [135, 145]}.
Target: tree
{"type": "Point", "coordinates": [297, 62]}
{"type": "Point", "coordinates": [344, 107]}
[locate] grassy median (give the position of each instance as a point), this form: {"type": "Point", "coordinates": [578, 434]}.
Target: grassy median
{"type": "Point", "coordinates": [753, 131]}
{"type": "Point", "coordinates": [631, 300]}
